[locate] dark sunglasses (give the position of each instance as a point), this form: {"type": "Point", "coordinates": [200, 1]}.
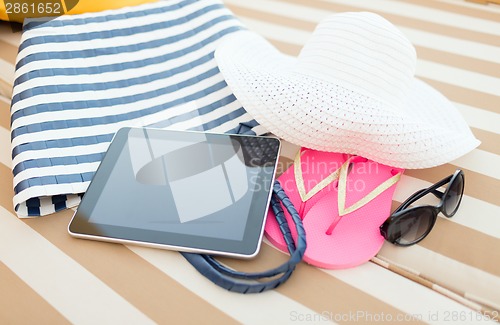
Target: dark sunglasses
{"type": "Point", "coordinates": [407, 226]}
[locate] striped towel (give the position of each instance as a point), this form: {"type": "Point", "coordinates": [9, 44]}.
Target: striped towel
{"type": "Point", "coordinates": [80, 78]}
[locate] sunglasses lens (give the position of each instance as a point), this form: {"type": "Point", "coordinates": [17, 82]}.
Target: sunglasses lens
{"type": "Point", "coordinates": [454, 195]}
{"type": "Point", "coordinates": [412, 226]}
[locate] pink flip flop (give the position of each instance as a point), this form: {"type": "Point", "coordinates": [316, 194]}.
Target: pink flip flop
{"type": "Point", "coordinates": [343, 227]}
{"type": "Point", "coordinates": [307, 182]}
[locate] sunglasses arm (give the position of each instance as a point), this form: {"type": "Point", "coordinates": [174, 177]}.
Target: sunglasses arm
{"type": "Point", "coordinates": [423, 192]}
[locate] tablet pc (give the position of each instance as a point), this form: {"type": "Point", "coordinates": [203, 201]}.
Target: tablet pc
{"type": "Point", "coordinates": [187, 191]}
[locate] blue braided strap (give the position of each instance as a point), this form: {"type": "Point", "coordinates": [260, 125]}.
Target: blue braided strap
{"type": "Point", "coordinates": [231, 280]}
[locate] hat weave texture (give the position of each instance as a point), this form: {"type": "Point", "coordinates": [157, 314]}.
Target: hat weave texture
{"type": "Point", "coordinates": [352, 89]}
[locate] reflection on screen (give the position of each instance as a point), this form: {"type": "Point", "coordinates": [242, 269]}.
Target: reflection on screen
{"type": "Point", "coordinates": [199, 186]}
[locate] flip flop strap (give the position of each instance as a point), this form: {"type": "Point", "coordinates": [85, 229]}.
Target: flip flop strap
{"type": "Point", "coordinates": [228, 278]}
{"type": "Point", "coordinates": [299, 179]}
{"type": "Point", "coordinates": [342, 190]}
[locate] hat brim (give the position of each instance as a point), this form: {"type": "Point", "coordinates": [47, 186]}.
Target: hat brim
{"type": "Point", "coordinates": [426, 131]}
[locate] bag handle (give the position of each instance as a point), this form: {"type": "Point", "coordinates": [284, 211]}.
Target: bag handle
{"type": "Point", "coordinates": [233, 280]}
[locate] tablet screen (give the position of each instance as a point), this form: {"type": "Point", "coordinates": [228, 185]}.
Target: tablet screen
{"type": "Point", "coordinates": [190, 190]}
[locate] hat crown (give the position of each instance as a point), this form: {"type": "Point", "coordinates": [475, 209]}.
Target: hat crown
{"type": "Point", "coordinates": [365, 52]}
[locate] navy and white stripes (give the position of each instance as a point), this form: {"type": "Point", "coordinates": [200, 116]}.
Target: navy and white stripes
{"type": "Point", "coordinates": [80, 78]}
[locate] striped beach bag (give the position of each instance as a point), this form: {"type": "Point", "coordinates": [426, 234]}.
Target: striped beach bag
{"type": "Point", "coordinates": [81, 78]}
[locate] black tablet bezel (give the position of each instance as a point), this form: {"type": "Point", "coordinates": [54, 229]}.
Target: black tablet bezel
{"type": "Point", "coordinates": [81, 227]}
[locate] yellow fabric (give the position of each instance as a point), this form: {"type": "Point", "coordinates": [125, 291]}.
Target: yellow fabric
{"type": "Point", "coordinates": [83, 6]}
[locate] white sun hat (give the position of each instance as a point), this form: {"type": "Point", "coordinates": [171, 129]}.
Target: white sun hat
{"type": "Point", "coordinates": [352, 89]}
